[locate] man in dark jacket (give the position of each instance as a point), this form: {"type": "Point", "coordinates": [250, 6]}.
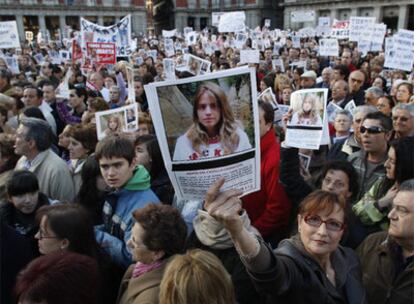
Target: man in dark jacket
{"type": "Point", "coordinates": [387, 258]}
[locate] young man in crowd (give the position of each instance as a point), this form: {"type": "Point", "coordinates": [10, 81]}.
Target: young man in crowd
{"type": "Point", "coordinates": [130, 186]}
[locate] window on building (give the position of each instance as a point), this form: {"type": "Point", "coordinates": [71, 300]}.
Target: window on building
{"type": "Point", "coordinates": [191, 22]}
{"type": "Point", "coordinates": [203, 23]}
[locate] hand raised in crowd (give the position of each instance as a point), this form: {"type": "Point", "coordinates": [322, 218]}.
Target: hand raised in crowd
{"type": "Point", "coordinates": [386, 201]}
{"type": "Point", "coordinates": [225, 206]}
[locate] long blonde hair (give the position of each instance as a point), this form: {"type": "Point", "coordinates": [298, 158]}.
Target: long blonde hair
{"type": "Point", "coordinates": [197, 134]}
{"type": "Point", "coordinates": [197, 277]}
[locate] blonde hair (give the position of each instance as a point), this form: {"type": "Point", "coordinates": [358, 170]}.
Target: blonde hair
{"type": "Point", "coordinates": [197, 134]}
{"type": "Point", "coordinates": [197, 277]}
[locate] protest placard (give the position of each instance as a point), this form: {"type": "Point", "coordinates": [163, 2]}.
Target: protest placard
{"type": "Point", "coordinates": [278, 65]}
{"type": "Point", "coordinates": [169, 68]}
{"type": "Point", "coordinates": [169, 34]}
{"type": "Point", "coordinates": [296, 42]}
{"type": "Point", "coordinates": [324, 21]}
{"type": "Point", "coordinates": [197, 66]}
{"type": "Point", "coordinates": [305, 128]}
{"type": "Point", "coordinates": [249, 56]}
{"type": "Point", "coordinates": [12, 64]}
{"type": "Point", "coordinates": [119, 33]}
{"type": "Point", "coordinates": [267, 23]}
{"type": "Point", "coordinates": [302, 16]}
{"type": "Point", "coordinates": [130, 80]}
{"type": "Point", "coordinates": [331, 110]}
{"type": "Point", "coordinates": [215, 18]}
{"type": "Point", "coordinates": [9, 36]}
{"type": "Point", "coordinates": [191, 38]}
{"type": "Point", "coordinates": [399, 51]}
{"type": "Point", "coordinates": [169, 47]}
{"type": "Point", "coordinates": [240, 40]}
{"type": "Point", "coordinates": [350, 106]}
{"type": "Point", "coordinates": [187, 30]}
{"type": "Point", "coordinates": [98, 53]}
{"type": "Point", "coordinates": [360, 27]}
{"type": "Point", "coordinates": [64, 55]}
{"type": "Point", "coordinates": [268, 96]}
{"type": "Point", "coordinates": [307, 32]}
{"type": "Point", "coordinates": [194, 160]}
{"type": "Point", "coordinates": [328, 47]}
{"type": "Point", "coordinates": [117, 121]}
{"type": "Point", "coordinates": [232, 22]}
{"type": "Point", "coordinates": [340, 29]}
{"type": "Point", "coordinates": [29, 36]}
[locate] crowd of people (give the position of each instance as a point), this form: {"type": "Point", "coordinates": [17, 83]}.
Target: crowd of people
{"type": "Point", "coordinates": [97, 221]}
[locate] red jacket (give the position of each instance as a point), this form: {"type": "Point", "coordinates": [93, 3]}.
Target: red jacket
{"type": "Point", "coordinates": [269, 208]}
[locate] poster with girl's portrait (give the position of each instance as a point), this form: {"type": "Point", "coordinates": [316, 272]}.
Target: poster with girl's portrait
{"type": "Point", "coordinates": [197, 66]}
{"type": "Point", "coordinates": [308, 118]}
{"type": "Point", "coordinates": [116, 121]}
{"type": "Point", "coordinates": [207, 127]}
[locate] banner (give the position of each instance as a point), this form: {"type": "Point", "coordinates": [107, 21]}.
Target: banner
{"type": "Point", "coordinates": [9, 36]}
{"type": "Point", "coordinates": [340, 29]}
{"type": "Point", "coordinates": [119, 33]}
{"type": "Point", "coordinates": [360, 27]}
{"type": "Point", "coordinates": [232, 22]}
{"type": "Point", "coordinates": [328, 47]}
{"type": "Point", "coordinates": [302, 16]}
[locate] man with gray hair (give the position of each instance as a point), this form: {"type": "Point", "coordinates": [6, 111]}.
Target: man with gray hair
{"type": "Point", "coordinates": [403, 120]}
{"type": "Point", "coordinates": [387, 257]}
{"type": "Point", "coordinates": [345, 147]}
{"type": "Point", "coordinates": [372, 95]}
{"type": "Point", "coordinates": [339, 93]}
{"type": "Point", "coordinates": [33, 142]}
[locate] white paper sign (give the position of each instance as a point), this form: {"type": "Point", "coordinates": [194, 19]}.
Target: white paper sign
{"type": "Point", "coordinates": [169, 68]}
{"type": "Point", "coordinates": [191, 38]}
{"type": "Point", "coordinates": [328, 47]}
{"type": "Point", "coordinates": [9, 36]}
{"type": "Point", "coordinates": [215, 18]}
{"type": "Point", "coordinates": [12, 64]}
{"type": "Point", "coordinates": [324, 21]}
{"type": "Point", "coordinates": [249, 56]}
{"type": "Point", "coordinates": [359, 26]}
{"type": "Point", "coordinates": [340, 29]}
{"type": "Point", "coordinates": [169, 34]}
{"type": "Point", "coordinates": [232, 22]}
{"type": "Point", "coordinates": [302, 16]}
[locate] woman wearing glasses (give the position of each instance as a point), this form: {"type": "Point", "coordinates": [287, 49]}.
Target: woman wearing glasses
{"type": "Point", "coordinates": [69, 227]}
{"type": "Point", "coordinates": [310, 267]}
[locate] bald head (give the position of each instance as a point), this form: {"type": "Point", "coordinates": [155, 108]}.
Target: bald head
{"type": "Point", "coordinates": [356, 80]}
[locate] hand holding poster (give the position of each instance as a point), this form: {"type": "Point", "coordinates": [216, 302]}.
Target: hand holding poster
{"type": "Point", "coordinates": [9, 36]}
{"type": "Point", "coordinates": [305, 128]}
{"type": "Point", "coordinates": [196, 159]}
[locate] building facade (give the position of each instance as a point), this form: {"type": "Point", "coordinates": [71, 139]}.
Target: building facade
{"type": "Point", "coordinates": [395, 13]}
{"type": "Point", "coordinates": [53, 15]}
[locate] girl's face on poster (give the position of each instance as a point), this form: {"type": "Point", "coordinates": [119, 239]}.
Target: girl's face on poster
{"type": "Point", "coordinates": [142, 156]}
{"type": "Point", "coordinates": [307, 105]}
{"type": "Point", "coordinates": [208, 112]}
{"type": "Point", "coordinates": [113, 123]}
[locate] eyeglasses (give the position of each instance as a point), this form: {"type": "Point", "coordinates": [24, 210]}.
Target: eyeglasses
{"type": "Point", "coordinates": [43, 236]}
{"type": "Point", "coordinates": [371, 130]}
{"type": "Point", "coordinates": [401, 118]}
{"type": "Point", "coordinates": [316, 221]}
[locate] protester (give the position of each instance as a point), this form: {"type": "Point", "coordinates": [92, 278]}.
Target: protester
{"type": "Point", "coordinates": [61, 277]}
{"type": "Point", "coordinates": [158, 234]}
{"type": "Point", "coordinates": [131, 191]}
{"type": "Point", "coordinates": [33, 142]}
{"type": "Point", "coordinates": [403, 120]}
{"type": "Point", "coordinates": [196, 277]}
{"type": "Point", "coordinates": [387, 257]}
{"type": "Point", "coordinates": [311, 262]}
{"type": "Point", "coordinates": [8, 160]}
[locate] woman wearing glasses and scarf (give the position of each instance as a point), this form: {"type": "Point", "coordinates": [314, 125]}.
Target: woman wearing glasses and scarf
{"type": "Point", "coordinates": [310, 267]}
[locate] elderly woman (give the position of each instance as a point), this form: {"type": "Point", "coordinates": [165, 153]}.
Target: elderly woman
{"type": "Point", "coordinates": [310, 267]}
{"type": "Point", "coordinates": [158, 234]}
{"type": "Point", "coordinates": [215, 131]}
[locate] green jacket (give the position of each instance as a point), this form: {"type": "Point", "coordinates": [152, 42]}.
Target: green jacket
{"type": "Point", "coordinates": [378, 261]}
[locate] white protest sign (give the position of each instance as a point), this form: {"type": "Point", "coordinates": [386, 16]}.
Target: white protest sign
{"type": "Point", "coordinates": [9, 36]}
{"type": "Point", "coordinates": [296, 42]}
{"type": "Point", "coordinates": [328, 47]}
{"type": "Point", "coordinates": [331, 110]}
{"type": "Point", "coordinates": [324, 21]}
{"type": "Point", "coordinates": [29, 36]}
{"type": "Point", "coordinates": [191, 38]}
{"type": "Point", "coordinates": [240, 40]}
{"type": "Point", "coordinates": [359, 26]}
{"type": "Point", "coordinates": [12, 64]}
{"type": "Point", "coordinates": [340, 29]}
{"type": "Point", "coordinates": [378, 33]}
{"type": "Point", "coordinates": [249, 56]}
{"type": "Point", "coordinates": [169, 68]}
{"type": "Point", "coordinates": [215, 18]}
{"type": "Point", "coordinates": [169, 34]}
{"type": "Point", "coordinates": [302, 16]}
{"type": "Point", "coordinates": [169, 47]}
{"type": "Point", "coordinates": [278, 65]}
{"type": "Point", "coordinates": [64, 55]}
{"type": "Point", "coordinates": [232, 22]}
{"type": "Point", "coordinates": [187, 29]}
{"type": "Point", "coordinates": [307, 32]}
{"type": "Point", "coordinates": [119, 33]}
{"type": "Point", "coordinates": [364, 46]}
{"type": "Point", "coordinates": [267, 23]}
